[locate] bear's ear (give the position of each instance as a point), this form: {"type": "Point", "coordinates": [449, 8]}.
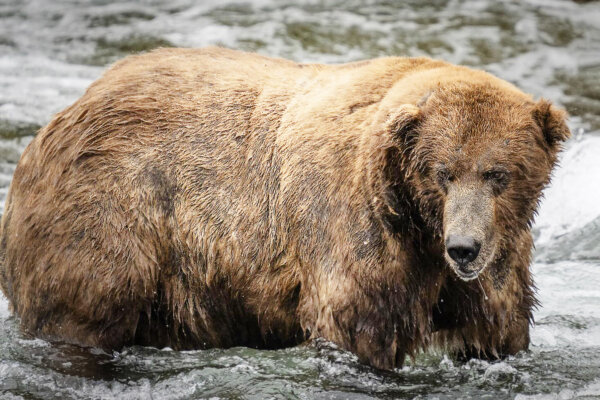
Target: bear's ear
{"type": "Point", "coordinates": [552, 121]}
{"type": "Point", "coordinates": [402, 121]}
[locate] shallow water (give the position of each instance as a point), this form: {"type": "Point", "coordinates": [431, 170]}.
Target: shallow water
{"type": "Point", "coordinates": [51, 50]}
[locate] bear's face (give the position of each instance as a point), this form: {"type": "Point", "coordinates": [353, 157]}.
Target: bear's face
{"type": "Point", "coordinates": [479, 159]}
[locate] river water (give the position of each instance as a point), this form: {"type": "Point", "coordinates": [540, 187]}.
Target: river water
{"type": "Point", "coordinates": [50, 51]}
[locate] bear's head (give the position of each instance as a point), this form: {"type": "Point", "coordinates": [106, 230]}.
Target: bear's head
{"type": "Point", "coordinates": [475, 158]}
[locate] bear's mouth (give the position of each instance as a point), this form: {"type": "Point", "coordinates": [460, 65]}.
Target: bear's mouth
{"type": "Point", "coordinates": [467, 275]}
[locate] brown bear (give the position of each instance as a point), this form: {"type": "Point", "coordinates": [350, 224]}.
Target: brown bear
{"type": "Point", "coordinates": [214, 198]}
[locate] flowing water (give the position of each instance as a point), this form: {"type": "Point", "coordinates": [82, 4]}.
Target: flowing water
{"type": "Point", "coordinates": [51, 50]}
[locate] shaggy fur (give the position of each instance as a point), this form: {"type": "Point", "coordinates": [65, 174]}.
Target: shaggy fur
{"type": "Point", "coordinates": [214, 198]}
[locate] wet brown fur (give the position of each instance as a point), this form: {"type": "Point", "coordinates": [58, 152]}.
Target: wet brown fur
{"type": "Point", "coordinates": [214, 198]}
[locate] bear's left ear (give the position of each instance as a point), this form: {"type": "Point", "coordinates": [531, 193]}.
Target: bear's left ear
{"type": "Point", "coordinates": [552, 121]}
{"type": "Point", "coordinates": [402, 121]}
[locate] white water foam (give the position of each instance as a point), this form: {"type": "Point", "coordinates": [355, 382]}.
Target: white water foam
{"type": "Point", "coordinates": [589, 391]}
{"type": "Point", "coordinates": [573, 198]}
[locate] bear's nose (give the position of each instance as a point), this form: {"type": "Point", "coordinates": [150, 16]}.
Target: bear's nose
{"type": "Point", "coordinates": [462, 249]}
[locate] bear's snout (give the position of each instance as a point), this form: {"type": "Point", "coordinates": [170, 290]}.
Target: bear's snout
{"type": "Point", "coordinates": [470, 239]}
{"type": "Point", "coordinates": [463, 250]}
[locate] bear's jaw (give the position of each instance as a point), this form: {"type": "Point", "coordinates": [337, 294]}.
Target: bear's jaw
{"type": "Point", "coordinates": [467, 276]}
{"type": "Point", "coordinates": [470, 275]}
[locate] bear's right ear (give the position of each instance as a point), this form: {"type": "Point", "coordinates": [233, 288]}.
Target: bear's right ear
{"type": "Point", "coordinates": [401, 122]}
{"type": "Point", "coordinates": [552, 121]}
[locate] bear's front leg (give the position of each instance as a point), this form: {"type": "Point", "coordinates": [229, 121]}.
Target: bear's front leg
{"type": "Point", "coordinates": [484, 318]}
{"type": "Point", "coordinates": [366, 322]}
{"type": "Point", "coordinates": [515, 339]}
{"type": "Point", "coordinates": [372, 339]}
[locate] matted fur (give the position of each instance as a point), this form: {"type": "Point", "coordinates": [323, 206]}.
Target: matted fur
{"type": "Point", "coordinates": [214, 198]}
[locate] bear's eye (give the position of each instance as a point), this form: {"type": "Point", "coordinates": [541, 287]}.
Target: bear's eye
{"type": "Point", "coordinates": [444, 176]}
{"type": "Point", "coordinates": [497, 177]}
